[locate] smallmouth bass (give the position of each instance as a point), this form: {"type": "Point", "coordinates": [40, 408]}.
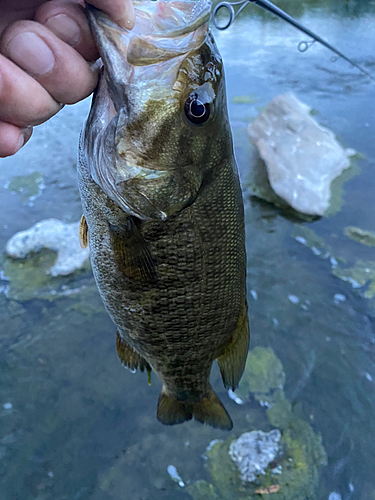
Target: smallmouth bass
{"type": "Point", "coordinates": [162, 204]}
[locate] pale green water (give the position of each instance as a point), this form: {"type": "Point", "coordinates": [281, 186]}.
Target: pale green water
{"type": "Point", "coordinates": [80, 426]}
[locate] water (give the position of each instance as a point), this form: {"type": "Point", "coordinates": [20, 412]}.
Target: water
{"type": "Point", "coordinates": [74, 424]}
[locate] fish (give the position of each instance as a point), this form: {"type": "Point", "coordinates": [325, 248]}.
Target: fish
{"type": "Point", "coordinates": [162, 206]}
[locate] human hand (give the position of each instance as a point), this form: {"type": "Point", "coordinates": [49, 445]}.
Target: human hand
{"type": "Point", "coordinates": [45, 53]}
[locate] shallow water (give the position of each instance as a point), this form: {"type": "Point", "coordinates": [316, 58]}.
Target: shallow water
{"type": "Point", "coordinates": [73, 423]}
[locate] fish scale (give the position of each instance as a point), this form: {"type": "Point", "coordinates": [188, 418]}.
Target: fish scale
{"type": "Point", "coordinates": [173, 284]}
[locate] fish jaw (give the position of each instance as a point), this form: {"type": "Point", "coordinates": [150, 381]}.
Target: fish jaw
{"type": "Point", "coordinates": [164, 32]}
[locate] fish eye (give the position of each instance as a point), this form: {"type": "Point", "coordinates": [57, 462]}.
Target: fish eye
{"type": "Point", "coordinates": [196, 111]}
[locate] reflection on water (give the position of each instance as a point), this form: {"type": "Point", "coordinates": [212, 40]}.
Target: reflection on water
{"type": "Point", "coordinates": [74, 424]}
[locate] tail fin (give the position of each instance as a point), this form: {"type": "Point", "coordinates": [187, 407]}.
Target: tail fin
{"type": "Point", "coordinates": [209, 410]}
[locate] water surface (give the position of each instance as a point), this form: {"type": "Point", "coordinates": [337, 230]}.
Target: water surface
{"type": "Point", "coordinates": [73, 423]}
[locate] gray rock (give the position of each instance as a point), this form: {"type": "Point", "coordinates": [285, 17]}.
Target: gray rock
{"type": "Point", "coordinates": [253, 451]}
{"type": "Point", "coordinates": [55, 235]}
{"type": "Point", "coordinates": [302, 157]}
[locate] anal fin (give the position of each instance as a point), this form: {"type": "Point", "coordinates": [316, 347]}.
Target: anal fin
{"type": "Point", "coordinates": [129, 357]}
{"type": "Point", "coordinates": [208, 410]}
{"type": "Point", "coordinates": [232, 361]}
{"type": "Point", "coordinates": [83, 232]}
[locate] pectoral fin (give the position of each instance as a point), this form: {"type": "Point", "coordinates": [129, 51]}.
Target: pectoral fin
{"type": "Point", "coordinates": [132, 251]}
{"type": "Point", "coordinates": [129, 357]}
{"type": "Point", "coordinates": [232, 361]}
{"type": "Point", "coordinates": [83, 232]}
{"type": "Point", "coordinates": [209, 410]}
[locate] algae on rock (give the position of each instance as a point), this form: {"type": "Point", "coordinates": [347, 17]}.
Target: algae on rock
{"type": "Point", "coordinates": [360, 274]}
{"type": "Point", "coordinates": [360, 235]}
{"type": "Point", "coordinates": [28, 187]}
{"type": "Point", "coordinates": [293, 469]}
{"type": "Point", "coordinates": [44, 261]}
{"type": "Point", "coordinates": [263, 374]}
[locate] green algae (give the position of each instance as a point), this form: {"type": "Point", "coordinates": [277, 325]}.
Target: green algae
{"type": "Point", "coordinates": [27, 186]}
{"type": "Point", "coordinates": [245, 99]}
{"type": "Point", "coordinates": [280, 413]}
{"type": "Point", "coordinates": [202, 490]}
{"type": "Point", "coordinates": [301, 453]}
{"type": "Point", "coordinates": [296, 469]}
{"type": "Point", "coordinates": [304, 455]}
{"type": "Point", "coordinates": [309, 238]}
{"type": "Point", "coordinates": [337, 185]}
{"type": "Point", "coordinates": [359, 275]}
{"type": "Point", "coordinates": [262, 375]}
{"type": "Point", "coordinates": [30, 278]}
{"type": "Point", "coordinates": [360, 235]}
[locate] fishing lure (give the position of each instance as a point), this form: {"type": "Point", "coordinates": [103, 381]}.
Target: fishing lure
{"type": "Point", "coordinates": [231, 15]}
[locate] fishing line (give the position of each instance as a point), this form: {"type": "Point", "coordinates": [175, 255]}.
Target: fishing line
{"type": "Point", "coordinates": [270, 7]}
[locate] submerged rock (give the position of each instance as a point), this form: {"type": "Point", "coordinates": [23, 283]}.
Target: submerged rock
{"type": "Point", "coordinates": [283, 462]}
{"type": "Point", "coordinates": [360, 274]}
{"type": "Point", "coordinates": [45, 262]}
{"type": "Point", "coordinates": [28, 187]}
{"type": "Point", "coordinates": [51, 234]}
{"type": "Point", "coordinates": [263, 374]}
{"type": "Point", "coordinates": [253, 451]}
{"type": "Point", "coordinates": [360, 235]}
{"type": "Point", "coordinates": [302, 158]}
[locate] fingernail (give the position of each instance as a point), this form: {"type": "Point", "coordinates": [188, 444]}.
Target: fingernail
{"type": "Point", "coordinates": [65, 28]}
{"type": "Point", "coordinates": [26, 133]}
{"type": "Point", "coordinates": [31, 53]}
{"type": "Point", "coordinates": [21, 142]}
{"type": "Point", "coordinates": [24, 137]}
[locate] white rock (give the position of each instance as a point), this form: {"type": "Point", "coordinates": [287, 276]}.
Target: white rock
{"type": "Point", "coordinates": [338, 297]}
{"type": "Point", "coordinates": [172, 471]}
{"type": "Point", "coordinates": [334, 496]}
{"type": "Point", "coordinates": [253, 451]}
{"type": "Point", "coordinates": [293, 299]}
{"type": "Point", "coordinates": [301, 156]}
{"type": "Point", "coordinates": [55, 235]}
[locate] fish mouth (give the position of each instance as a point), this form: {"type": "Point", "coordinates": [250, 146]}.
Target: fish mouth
{"type": "Point", "coordinates": [163, 30]}
{"type": "Point", "coordinates": [141, 75]}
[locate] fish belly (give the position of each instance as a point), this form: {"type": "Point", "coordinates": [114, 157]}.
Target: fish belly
{"type": "Point", "coordinates": [176, 288]}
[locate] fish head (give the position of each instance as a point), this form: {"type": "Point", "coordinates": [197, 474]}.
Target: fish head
{"type": "Point", "coordinates": [158, 129]}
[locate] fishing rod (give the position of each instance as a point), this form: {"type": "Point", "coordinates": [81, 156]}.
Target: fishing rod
{"type": "Point", "coordinates": [270, 7]}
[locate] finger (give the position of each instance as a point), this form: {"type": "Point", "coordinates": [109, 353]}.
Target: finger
{"type": "Point", "coordinates": [120, 11]}
{"type": "Point", "coordinates": [12, 138]}
{"type": "Point", "coordinates": [55, 65]}
{"type": "Point", "coordinates": [68, 22]}
{"type": "Point", "coordinates": [23, 101]}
